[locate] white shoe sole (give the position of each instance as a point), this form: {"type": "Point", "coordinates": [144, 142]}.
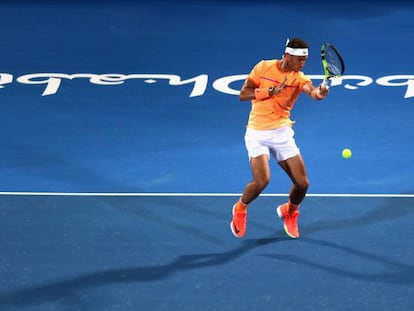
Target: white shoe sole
{"type": "Point", "coordinates": [279, 212]}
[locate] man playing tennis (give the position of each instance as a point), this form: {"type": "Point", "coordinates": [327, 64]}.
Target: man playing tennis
{"type": "Point", "coordinates": [273, 86]}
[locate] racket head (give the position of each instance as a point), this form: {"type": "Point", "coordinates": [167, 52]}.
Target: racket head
{"type": "Point", "coordinates": [332, 61]}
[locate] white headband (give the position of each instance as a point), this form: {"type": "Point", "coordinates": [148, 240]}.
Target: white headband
{"type": "Point", "coordinates": [297, 51]}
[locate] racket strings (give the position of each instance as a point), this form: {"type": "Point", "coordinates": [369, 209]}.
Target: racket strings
{"type": "Point", "coordinates": [335, 65]}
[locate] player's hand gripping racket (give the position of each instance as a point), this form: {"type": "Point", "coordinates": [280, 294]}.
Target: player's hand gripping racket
{"type": "Point", "coordinates": [332, 62]}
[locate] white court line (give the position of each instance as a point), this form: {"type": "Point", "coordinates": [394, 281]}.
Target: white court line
{"type": "Point", "coordinates": [178, 194]}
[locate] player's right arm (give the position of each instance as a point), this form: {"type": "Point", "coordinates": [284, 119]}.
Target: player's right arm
{"type": "Point", "coordinates": [247, 90]}
{"type": "Point", "coordinates": [250, 90]}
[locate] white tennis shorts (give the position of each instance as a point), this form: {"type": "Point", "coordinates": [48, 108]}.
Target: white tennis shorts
{"type": "Point", "coordinates": [279, 143]}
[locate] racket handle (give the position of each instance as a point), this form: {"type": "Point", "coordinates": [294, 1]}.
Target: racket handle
{"type": "Point", "coordinates": [325, 83]}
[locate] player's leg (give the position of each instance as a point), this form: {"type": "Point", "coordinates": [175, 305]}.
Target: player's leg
{"type": "Point", "coordinates": [258, 154]}
{"type": "Point", "coordinates": [295, 169]}
{"type": "Point", "coordinates": [261, 176]}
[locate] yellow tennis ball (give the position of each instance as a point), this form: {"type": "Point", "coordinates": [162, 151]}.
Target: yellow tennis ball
{"type": "Point", "coordinates": [346, 153]}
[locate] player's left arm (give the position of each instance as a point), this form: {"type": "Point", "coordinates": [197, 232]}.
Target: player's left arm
{"type": "Point", "coordinates": [315, 92]}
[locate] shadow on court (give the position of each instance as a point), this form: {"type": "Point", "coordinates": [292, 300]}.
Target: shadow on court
{"type": "Point", "coordinates": [393, 271]}
{"type": "Point", "coordinates": [346, 243]}
{"type": "Point", "coordinates": [69, 289]}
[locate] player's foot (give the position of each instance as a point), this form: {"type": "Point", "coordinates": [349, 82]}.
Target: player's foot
{"type": "Point", "coordinates": [290, 220]}
{"type": "Point", "coordinates": [238, 223]}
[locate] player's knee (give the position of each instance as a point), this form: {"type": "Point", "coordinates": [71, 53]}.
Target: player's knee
{"type": "Point", "coordinates": [303, 184]}
{"type": "Point", "coordinates": [262, 183]}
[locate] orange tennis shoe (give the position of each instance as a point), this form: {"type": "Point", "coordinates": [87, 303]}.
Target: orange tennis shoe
{"type": "Point", "coordinates": [238, 223]}
{"type": "Point", "coordinates": [290, 220]}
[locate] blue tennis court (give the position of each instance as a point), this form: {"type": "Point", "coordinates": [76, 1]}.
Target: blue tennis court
{"type": "Point", "coordinates": [123, 153]}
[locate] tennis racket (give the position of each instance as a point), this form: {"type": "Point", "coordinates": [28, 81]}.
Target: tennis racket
{"type": "Point", "coordinates": [332, 62]}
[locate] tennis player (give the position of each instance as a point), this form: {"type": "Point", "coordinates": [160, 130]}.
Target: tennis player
{"type": "Point", "coordinates": [273, 86]}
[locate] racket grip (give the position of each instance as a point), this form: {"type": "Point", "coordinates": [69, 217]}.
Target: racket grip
{"type": "Point", "coordinates": [325, 83]}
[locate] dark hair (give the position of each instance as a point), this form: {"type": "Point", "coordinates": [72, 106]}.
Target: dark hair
{"type": "Point", "coordinates": [297, 43]}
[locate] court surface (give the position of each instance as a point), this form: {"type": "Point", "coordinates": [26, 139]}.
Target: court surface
{"type": "Point", "coordinates": [122, 154]}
